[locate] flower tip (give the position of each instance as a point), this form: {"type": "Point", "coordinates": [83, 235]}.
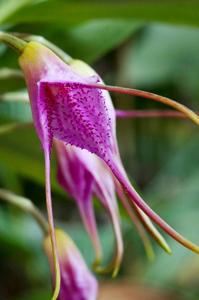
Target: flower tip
{"type": "Point", "coordinates": [163, 244]}
{"type": "Point", "coordinates": [168, 250]}
{"type": "Point", "coordinates": [116, 271]}
{"type": "Point", "coordinates": [97, 262]}
{"type": "Point", "coordinates": [113, 267]}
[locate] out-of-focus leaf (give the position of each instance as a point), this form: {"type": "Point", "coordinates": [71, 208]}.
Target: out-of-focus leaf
{"type": "Point", "coordinates": [70, 12]}
{"type": "Point", "coordinates": [36, 295]}
{"type": "Point", "coordinates": [164, 54]}
{"type": "Point", "coordinates": [91, 40]}
{"type": "Point", "coordinates": [9, 7]}
{"type": "Point", "coordinates": [16, 235]}
{"type": "Point", "coordinates": [21, 152]}
{"type": "Point", "coordinates": [79, 235]}
{"type": "Point", "coordinates": [15, 111]}
{"type": "Point", "coordinates": [10, 80]}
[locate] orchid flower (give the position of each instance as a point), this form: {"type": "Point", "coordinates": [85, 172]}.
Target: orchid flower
{"type": "Point", "coordinates": [82, 174]}
{"type": "Point", "coordinates": [77, 282]}
{"type": "Point", "coordinates": [76, 109]}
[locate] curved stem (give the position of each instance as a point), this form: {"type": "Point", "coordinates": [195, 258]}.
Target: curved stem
{"type": "Point", "coordinates": [40, 39]}
{"type": "Point", "coordinates": [27, 206]}
{"type": "Point", "coordinates": [12, 41]}
{"type": "Point", "coordinates": [146, 241]}
{"type": "Point", "coordinates": [88, 218]}
{"type": "Point", "coordinates": [139, 93]}
{"type": "Point", "coordinates": [139, 202]}
{"type": "Point", "coordinates": [51, 224]}
{"type": "Point", "coordinates": [134, 114]}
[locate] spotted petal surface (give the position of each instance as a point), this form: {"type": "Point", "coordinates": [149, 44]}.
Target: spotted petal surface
{"type": "Point", "coordinates": [75, 115]}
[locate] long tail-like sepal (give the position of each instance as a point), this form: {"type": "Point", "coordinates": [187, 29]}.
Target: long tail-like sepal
{"type": "Point", "coordinates": [149, 114]}
{"type": "Point", "coordinates": [139, 202]}
{"type": "Point", "coordinates": [51, 225]}
{"type": "Point", "coordinates": [152, 229]}
{"type": "Point", "coordinates": [88, 217]}
{"type": "Point", "coordinates": [154, 97]}
{"type": "Point", "coordinates": [146, 241]}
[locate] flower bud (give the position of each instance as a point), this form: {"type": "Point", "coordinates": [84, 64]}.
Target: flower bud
{"type": "Point", "coordinates": [77, 282]}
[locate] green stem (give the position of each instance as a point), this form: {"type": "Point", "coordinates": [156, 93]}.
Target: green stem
{"type": "Point", "coordinates": [126, 114]}
{"type": "Point", "coordinates": [27, 206]}
{"type": "Point", "coordinates": [40, 39]}
{"type": "Point", "coordinates": [12, 41]}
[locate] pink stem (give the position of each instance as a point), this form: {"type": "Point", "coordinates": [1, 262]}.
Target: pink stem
{"type": "Point", "coordinates": [154, 97]}
{"type": "Point", "coordinates": [135, 197]}
{"type": "Point", "coordinates": [149, 114]}
{"type": "Point", "coordinates": [51, 224]}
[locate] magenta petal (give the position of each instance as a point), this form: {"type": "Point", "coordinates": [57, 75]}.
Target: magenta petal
{"type": "Point", "coordinates": [83, 174]}
{"type": "Point", "coordinates": [76, 180]}
{"type": "Point", "coordinates": [76, 115]}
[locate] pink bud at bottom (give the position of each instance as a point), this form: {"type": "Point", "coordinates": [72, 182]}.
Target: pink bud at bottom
{"type": "Point", "coordinates": [77, 282]}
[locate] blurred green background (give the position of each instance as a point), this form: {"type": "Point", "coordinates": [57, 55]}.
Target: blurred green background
{"type": "Point", "coordinates": [151, 45]}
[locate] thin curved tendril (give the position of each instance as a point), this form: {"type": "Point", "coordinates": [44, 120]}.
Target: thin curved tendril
{"type": "Point", "coordinates": [92, 231]}
{"type": "Point", "coordinates": [135, 197]}
{"type": "Point", "coordinates": [51, 225]}
{"type": "Point", "coordinates": [146, 241]}
{"type": "Point", "coordinates": [114, 265]}
{"type": "Point", "coordinates": [12, 41]}
{"type": "Point", "coordinates": [126, 114]}
{"type": "Point", "coordinates": [25, 205]}
{"type": "Point", "coordinates": [134, 92]}
{"type": "Point", "coordinates": [146, 222]}
{"type": "Point", "coordinates": [152, 229]}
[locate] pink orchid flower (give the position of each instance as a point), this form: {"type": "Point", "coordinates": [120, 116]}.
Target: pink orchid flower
{"type": "Point", "coordinates": [84, 175]}
{"type": "Point", "coordinates": [77, 110]}
{"type": "Point", "coordinates": [77, 282]}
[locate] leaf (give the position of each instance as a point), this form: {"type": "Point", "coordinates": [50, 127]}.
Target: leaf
{"type": "Point", "coordinates": [9, 7]}
{"type": "Point", "coordinates": [91, 40]}
{"type": "Point", "coordinates": [69, 12]}
{"type": "Point", "coordinates": [21, 153]}
{"type": "Point", "coordinates": [164, 54]}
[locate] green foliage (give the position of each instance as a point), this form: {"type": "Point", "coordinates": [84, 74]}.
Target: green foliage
{"type": "Point", "coordinates": [160, 155]}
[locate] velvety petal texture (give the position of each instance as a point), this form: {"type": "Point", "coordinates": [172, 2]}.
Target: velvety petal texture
{"type": "Point", "coordinates": [77, 282]}
{"type": "Point", "coordinates": [63, 109]}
